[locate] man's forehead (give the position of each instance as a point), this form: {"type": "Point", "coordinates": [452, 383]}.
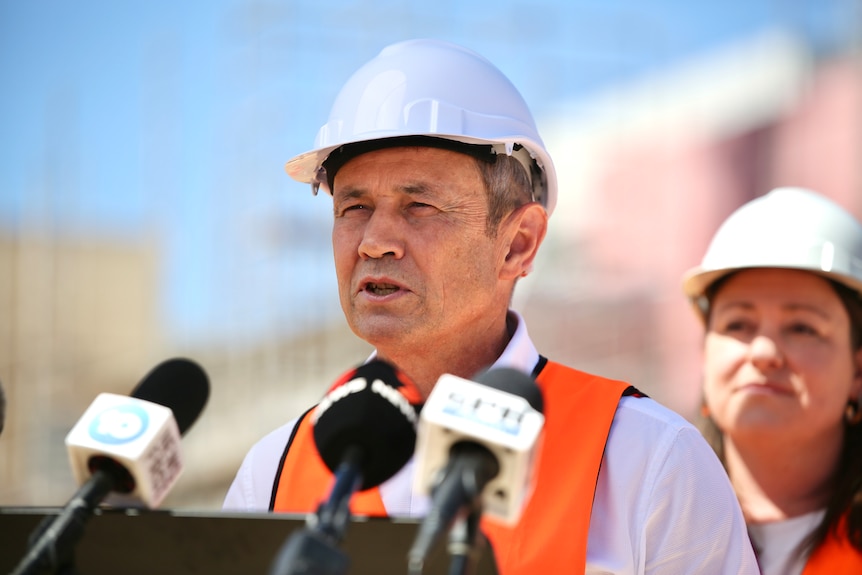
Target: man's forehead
{"type": "Point", "coordinates": [414, 171]}
{"type": "Point", "coordinates": [403, 160]}
{"type": "Point", "coordinates": [343, 154]}
{"type": "Point", "coordinates": [416, 155]}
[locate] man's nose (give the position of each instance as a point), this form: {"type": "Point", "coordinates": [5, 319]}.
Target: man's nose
{"type": "Point", "coordinates": [383, 235]}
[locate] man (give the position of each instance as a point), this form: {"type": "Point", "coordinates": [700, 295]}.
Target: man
{"type": "Point", "coordinates": [441, 191]}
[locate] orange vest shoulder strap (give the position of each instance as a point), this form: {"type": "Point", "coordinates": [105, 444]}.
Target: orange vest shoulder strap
{"type": "Point", "coordinates": [304, 481]}
{"type": "Point", "coordinates": [835, 554]}
{"type": "Point", "coordinates": [579, 409]}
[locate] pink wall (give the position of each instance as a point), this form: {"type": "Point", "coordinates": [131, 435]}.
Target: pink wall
{"type": "Point", "coordinates": [660, 202]}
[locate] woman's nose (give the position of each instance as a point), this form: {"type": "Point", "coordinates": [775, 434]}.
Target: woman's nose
{"type": "Point", "coordinates": [765, 352]}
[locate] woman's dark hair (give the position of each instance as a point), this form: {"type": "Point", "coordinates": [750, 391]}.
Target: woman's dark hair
{"type": "Point", "coordinates": [846, 495]}
{"type": "Point", "coordinates": [847, 489]}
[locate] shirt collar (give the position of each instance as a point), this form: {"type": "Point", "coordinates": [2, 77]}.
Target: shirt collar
{"type": "Point", "coordinates": [520, 353]}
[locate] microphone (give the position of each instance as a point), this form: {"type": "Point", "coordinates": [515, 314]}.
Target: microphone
{"type": "Point", "coordinates": [135, 441]}
{"type": "Point", "coordinates": [129, 445]}
{"type": "Point", "coordinates": [372, 417]}
{"type": "Point", "coordinates": [365, 431]}
{"type": "Point", "coordinates": [476, 444]}
{"type": "Point", "coordinates": [2, 408]}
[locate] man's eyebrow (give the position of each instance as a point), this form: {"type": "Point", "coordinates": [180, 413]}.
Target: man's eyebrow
{"type": "Point", "coordinates": [349, 193]}
{"type": "Point", "coordinates": [418, 188]}
{"type": "Point", "coordinates": [411, 188]}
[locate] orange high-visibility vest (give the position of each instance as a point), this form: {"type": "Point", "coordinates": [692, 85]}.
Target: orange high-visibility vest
{"type": "Point", "coordinates": [835, 555]}
{"type": "Point", "coordinates": [553, 528]}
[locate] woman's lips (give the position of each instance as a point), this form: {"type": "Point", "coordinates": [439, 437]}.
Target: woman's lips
{"type": "Point", "coordinates": [767, 388]}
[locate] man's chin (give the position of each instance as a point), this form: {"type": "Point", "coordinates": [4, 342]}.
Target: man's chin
{"type": "Point", "coordinates": [381, 332]}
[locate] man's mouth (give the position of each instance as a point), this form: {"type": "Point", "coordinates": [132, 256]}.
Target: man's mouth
{"type": "Point", "coordinates": [381, 289]}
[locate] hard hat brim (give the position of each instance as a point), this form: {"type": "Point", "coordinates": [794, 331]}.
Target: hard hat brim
{"type": "Point", "coordinates": [306, 167]}
{"type": "Point", "coordinates": [697, 280]}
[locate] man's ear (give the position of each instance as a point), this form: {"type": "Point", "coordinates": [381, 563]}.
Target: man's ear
{"type": "Point", "coordinates": [525, 230]}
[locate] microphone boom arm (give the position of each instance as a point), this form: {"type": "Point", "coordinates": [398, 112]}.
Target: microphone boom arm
{"type": "Point", "coordinates": [314, 550]}
{"type": "Point", "coordinates": [53, 543]}
{"type": "Point", "coordinates": [333, 515]}
{"type": "Point", "coordinates": [471, 466]}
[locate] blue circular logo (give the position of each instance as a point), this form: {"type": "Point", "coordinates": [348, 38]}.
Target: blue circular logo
{"type": "Point", "coordinates": [119, 424]}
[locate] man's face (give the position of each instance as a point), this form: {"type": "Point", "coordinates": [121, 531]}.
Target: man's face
{"type": "Point", "coordinates": [416, 269]}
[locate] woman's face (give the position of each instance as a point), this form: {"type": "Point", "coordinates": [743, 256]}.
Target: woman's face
{"type": "Point", "coordinates": [778, 356]}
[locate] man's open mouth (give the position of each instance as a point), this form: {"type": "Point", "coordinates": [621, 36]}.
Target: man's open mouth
{"type": "Point", "coordinates": [381, 289]}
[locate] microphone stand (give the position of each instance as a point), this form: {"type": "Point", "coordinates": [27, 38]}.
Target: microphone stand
{"type": "Point", "coordinates": [458, 492]}
{"type": "Point", "coordinates": [314, 550]}
{"type": "Point", "coordinates": [52, 544]}
{"type": "Point", "coordinates": [463, 537]}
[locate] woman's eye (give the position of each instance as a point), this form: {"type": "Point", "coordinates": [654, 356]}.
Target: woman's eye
{"type": "Point", "coordinates": [736, 326]}
{"type": "Point", "coordinates": [803, 328]}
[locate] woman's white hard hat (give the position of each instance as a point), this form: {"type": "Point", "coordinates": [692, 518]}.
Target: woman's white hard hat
{"type": "Point", "coordinates": [437, 89]}
{"type": "Point", "coordinates": [792, 228]}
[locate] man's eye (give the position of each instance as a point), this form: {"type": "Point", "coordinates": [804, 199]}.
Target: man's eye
{"type": "Point", "coordinates": [420, 206]}
{"type": "Point", "coordinates": [352, 208]}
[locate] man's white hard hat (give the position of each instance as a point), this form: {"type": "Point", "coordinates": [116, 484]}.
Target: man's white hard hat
{"type": "Point", "coordinates": [436, 89]}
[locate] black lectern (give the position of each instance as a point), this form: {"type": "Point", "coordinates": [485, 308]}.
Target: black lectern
{"type": "Point", "coordinates": [146, 542]}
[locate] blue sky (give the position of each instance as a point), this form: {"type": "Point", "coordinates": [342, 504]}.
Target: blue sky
{"type": "Point", "coordinates": [169, 122]}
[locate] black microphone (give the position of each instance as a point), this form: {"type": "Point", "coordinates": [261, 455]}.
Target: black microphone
{"type": "Point", "coordinates": [369, 418]}
{"type": "Point", "coordinates": [365, 431]}
{"type": "Point", "coordinates": [129, 445]}
{"type": "Point", "coordinates": [2, 408]}
{"type": "Point", "coordinates": [476, 444]}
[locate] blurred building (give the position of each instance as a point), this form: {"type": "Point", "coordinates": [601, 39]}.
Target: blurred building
{"type": "Point", "coordinates": [81, 317]}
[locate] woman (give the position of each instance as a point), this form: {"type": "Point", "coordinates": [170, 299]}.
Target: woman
{"type": "Point", "coordinates": [780, 294]}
